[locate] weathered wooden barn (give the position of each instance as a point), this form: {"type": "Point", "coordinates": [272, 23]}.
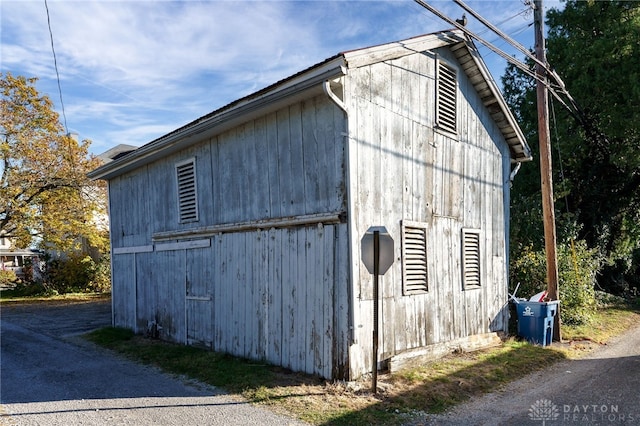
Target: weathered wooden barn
{"type": "Point", "coordinates": [241, 230]}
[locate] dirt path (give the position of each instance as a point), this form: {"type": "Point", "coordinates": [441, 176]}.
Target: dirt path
{"type": "Point", "coordinates": [600, 389]}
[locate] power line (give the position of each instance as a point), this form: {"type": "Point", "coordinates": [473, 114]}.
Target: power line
{"type": "Point", "coordinates": [55, 64]}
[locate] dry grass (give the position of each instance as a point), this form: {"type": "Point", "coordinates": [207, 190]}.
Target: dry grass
{"type": "Point", "coordinates": [433, 387]}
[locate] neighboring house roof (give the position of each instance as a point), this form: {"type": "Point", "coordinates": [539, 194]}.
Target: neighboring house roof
{"type": "Point", "coordinates": [116, 152]}
{"type": "Point", "coordinates": [19, 252]}
{"type": "Point", "coordinates": [310, 81]}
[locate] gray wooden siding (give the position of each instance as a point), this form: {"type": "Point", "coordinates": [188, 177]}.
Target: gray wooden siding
{"type": "Point", "coordinates": [123, 291]}
{"type": "Point", "coordinates": [129, 208]}
{"type": "Point", "coordinates": [288, 163]}
{"type": "Point", "coordinates": [278, 295]}
{"type": "Point", "coordinates": [298, 296]}
{"type": "Point", "coordinates": [403, 169]}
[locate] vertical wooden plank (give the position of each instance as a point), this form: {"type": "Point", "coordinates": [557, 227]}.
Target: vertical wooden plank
{"type": "Point", "coordinates": [162, 195]}
{"type": "Point", "coordinates": [222, 299]}
{"type": "Point", "coordinates": [313, 299]}
{"type": "Point", "coordinates": [146, 294]}
{"type": "Point", "coordinates": [298, 340]}
{"type": "Point", "coordinates": [438, 175]}
{"type": "Point", "coordinates": [248, 176]}
{"type": "Point", "coordinates": [381, 90]}
{"type": "Point", "coordinates": [327, 327]}
{"type": "Point", "coordinates": [260, 175]}
{"type": "Point", "coordinates": [326, 151]}
{"type": "Point", "coordinates": [276, 305]}
{"type": "Point", "coordinates": [411, 87]}
{"type": "Point", "coordinates": [286, 179]}
{"type": "Point", "coordinates": [124, 291]}
{"type": "Point", "coordinates": [411, 190]}
{"type": "Point", "coordinates": [229, 201]}
{"type": "Point", "coordinates": [250, 297]}
{"type": "Point", "coordinates": [455, 272]}
{"type": "Point", "coordinates": [273, 164]}
{"type": "Point", "coordinates": [240, 294]}
{"type": "Point", "coordinates": [298, 189]}
{"type": "Point", "coordinates": [456, 173]}
{"type": "Point", "coordinates": [206, 206]}
{"type": "Point", "coordinates": [434, 257]}
{"type": "Point", "coordinates": [199, 285]}
{"type": "Point", "coordinates": [392, 139]}
{"type": "Point", "coordinates": [289, 275]}
{"type": "Point", "coordinates": [398, 85]}
{"type": "Point", "coordinates": [365, 186]}
{"type": "Point", "coordinates": [361, 83]}
{"type": "Point", "coordinates": [170, 293]}
{"type": "Point", "coordinates": [310, 156]}
{"type": "Point", "coordinates": [341, 304]}
{"type": "Point", "coordinates": [216, 181]}
{"type": "Point", "coordinates": [340, 143]}
{"type": "Point", "coordinates": [375, 213]}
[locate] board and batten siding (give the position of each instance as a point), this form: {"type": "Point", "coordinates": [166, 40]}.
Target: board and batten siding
{"type": "Point", "coordinates": [278, 295]}
{"type": "Point", "coordinates": [265, 292]}
{"type": "Point", "coordinates": [403, 169]}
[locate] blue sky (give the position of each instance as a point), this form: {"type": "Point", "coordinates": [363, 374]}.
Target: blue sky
{"type": "Point", "coordinates": [132, 71]}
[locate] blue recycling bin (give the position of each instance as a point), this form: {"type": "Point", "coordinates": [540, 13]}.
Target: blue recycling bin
{"type": "Point", "coordinates": [535, 321]}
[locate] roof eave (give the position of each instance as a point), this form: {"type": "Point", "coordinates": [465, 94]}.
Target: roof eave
{"type": "Point", "coordinates": [494, 102]}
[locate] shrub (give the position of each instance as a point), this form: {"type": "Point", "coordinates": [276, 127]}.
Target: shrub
{"type": "Point", "coordinates": [7, 277]}
{"type": "Point", "coordinates": [577, 269]}
{"type": "Point", "coordinates": [79, 273]}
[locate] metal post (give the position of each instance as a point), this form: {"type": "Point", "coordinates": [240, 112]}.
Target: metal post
{"type": "Point", "coordinates": [376, 273]}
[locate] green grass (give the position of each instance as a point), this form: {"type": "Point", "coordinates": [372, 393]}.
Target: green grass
{"type": "Point", "coordinates": [234, 374]}
{"type": "Point", "coordinates": [35, 293]}
{"type": "Point", "coordinates": [433, 387]}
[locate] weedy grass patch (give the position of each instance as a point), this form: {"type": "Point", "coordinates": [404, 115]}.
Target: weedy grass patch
{"type": "Point", "coordinates": [433, 387]}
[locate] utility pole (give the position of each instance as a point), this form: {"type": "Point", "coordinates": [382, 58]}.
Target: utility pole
{"type": "Point", "coordinates": [546, 179]}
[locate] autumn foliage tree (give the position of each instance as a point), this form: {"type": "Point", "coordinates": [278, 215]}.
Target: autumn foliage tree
{"type": "Point", "coordinates": [46, 198]}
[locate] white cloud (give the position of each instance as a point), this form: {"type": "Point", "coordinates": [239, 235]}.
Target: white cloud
{"type": "Point", "coordinates": [133, 70]}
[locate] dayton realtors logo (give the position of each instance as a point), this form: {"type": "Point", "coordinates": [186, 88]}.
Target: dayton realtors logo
{"type": "Point", "coordinates": [544, 410]}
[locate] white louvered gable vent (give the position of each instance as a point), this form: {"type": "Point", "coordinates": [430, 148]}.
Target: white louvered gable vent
{"type": "Point", "coordinates": [414, 257]}
{"type": "Point", "coordinates": [446, 94]}
{"type": "Point", "coordinates": [471, 258]}
{"type": "Point", "coordinates": [187, 191]}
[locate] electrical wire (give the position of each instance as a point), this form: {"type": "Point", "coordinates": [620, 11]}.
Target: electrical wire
{"type": "Point", "coordinates": [55, 64]}
{"type": "Point", "coordinates": [574, 255]}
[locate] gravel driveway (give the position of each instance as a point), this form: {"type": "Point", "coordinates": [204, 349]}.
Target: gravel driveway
{"type": "Point", "coordinates": [48, 377]}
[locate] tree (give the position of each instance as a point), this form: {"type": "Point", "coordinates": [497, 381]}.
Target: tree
{"type": "Point", "coordinates": [595, 47]}
{"type": "Point", "coordinates": [45, 196]}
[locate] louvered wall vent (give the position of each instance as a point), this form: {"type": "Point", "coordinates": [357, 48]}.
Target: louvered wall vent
{"type": "Point", "coordinates": [414, 257]}
{"type": "Point", "coordinates": [187, 191]}
{"type": "Point", "coordinates": [471, 258]}
{"type": "Point", "coordinates": [446, 97]}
